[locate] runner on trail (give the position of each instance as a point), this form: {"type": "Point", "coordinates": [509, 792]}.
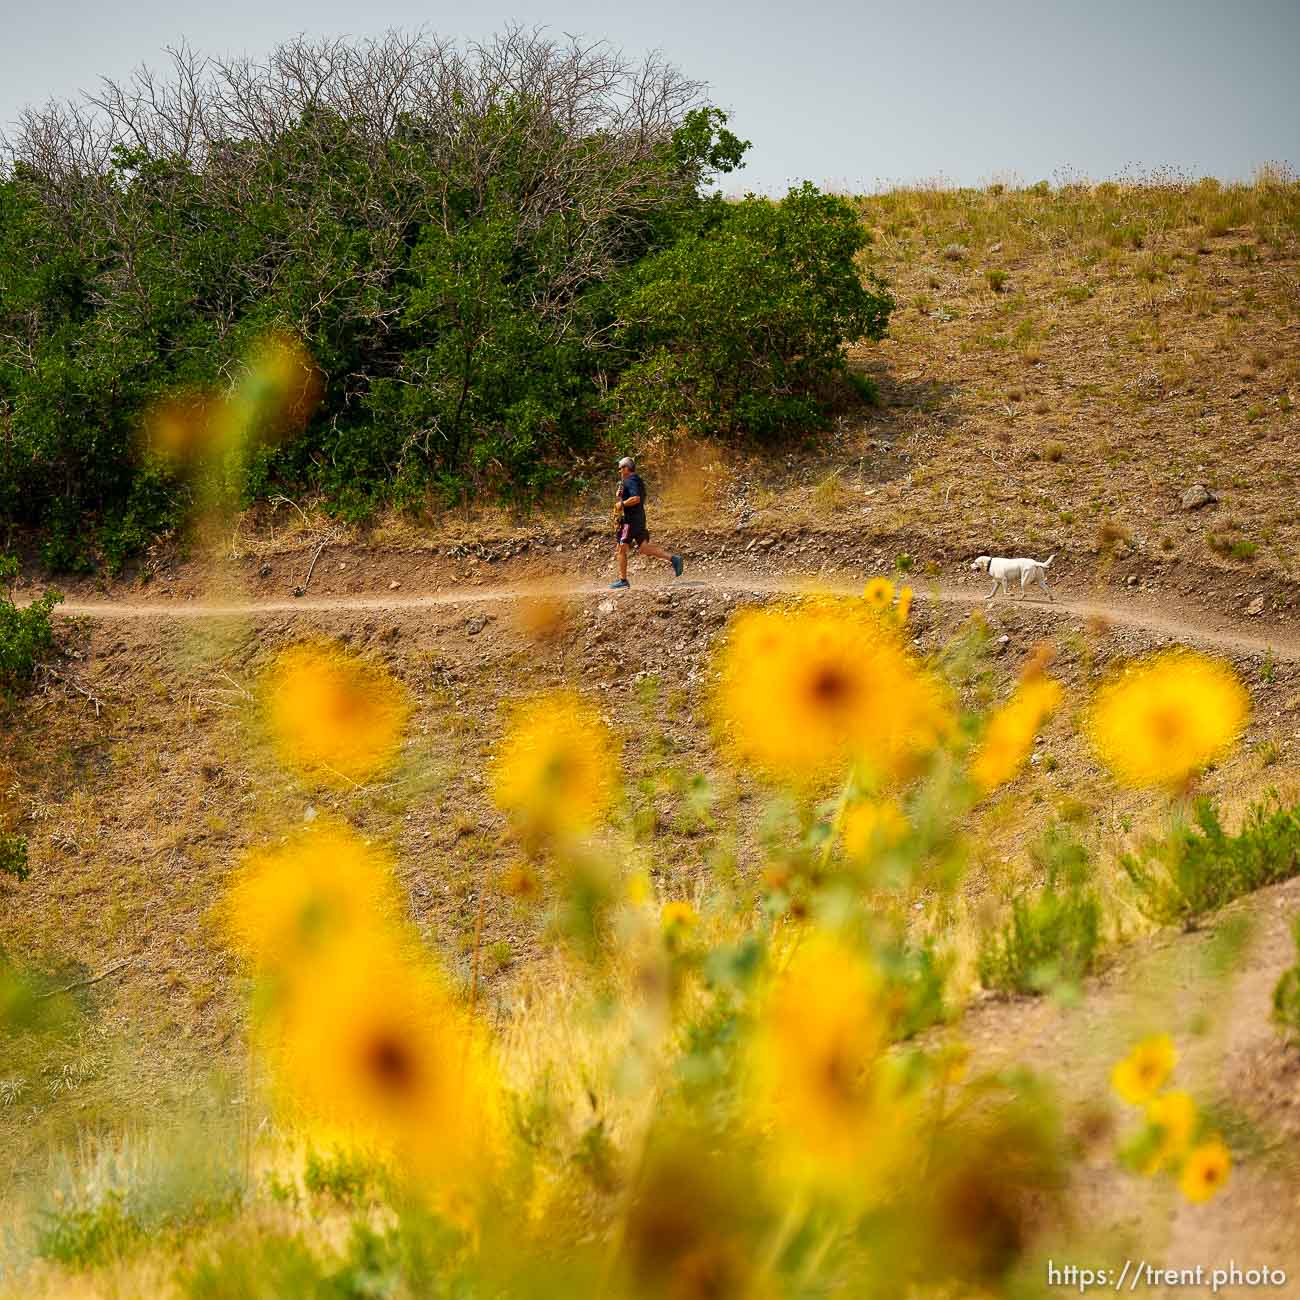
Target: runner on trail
{"type": "Point", "coordinates": [629, 505]}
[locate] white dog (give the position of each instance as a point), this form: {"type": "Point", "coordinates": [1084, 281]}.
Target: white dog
{"type": "Point", "coordinates": [1003, 571]}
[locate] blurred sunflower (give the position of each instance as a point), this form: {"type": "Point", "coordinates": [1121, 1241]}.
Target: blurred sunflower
{"type": "Point", "coordinates": [1205, 1171]}
{"type": "Point", "coordinates": [277, 393]}
{"type": "Point", "coordinates": [904, 606]}
{"type": "Point", "coordinates": [374, 1052]}
{"type": "Point", "coordinates": [1164, 719]}
{"type": "Point", "coordinates": [871, 826]}
{"type": "Point", "coordinates": [806, 692]}
{"type": "Point", "coordinates": [817, 1050]}
{"type": "Point", "coordinates": [294, 901]}
{"type": "Point", "coordinates": [557, 769]}
{"type": "Point", "coordinates": [693, 1227]}
{"type": "Point", "coordinates": [879, 594]}
{"type": "Point", "coordinates": [543, 615]}
{"type": "Point", "coordinates": [1142, 1073]}
{"type": "Point", "coordinates": [678, 916]}
{"type": "Point", "coordinates": [185, 427]}
{"type": "Point", "coordinates": [522, 882]}
{"type": "Point", "coordinates": [995, 1179]}
{"type": "Point", "coordinates": [1173, 1116]}
{"type": "Point", "coordinates": [1010, 733]}
{"type": "Point", "coordinates": [334, 718]}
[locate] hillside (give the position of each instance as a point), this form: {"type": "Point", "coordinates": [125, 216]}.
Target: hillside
{"type": "Point", "coordinates": [1073, 363]}
{"type": "Point", "coordinates": [1062, 367]}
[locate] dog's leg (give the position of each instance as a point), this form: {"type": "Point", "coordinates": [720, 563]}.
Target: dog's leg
{"type": "Point", "coordinates": [993, 592]}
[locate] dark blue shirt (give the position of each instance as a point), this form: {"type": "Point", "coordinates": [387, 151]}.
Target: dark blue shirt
{"type": "Point", "coordinates": [632, 486]}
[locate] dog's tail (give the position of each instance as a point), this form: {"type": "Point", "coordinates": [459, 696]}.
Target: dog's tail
{"type": "Point", "coordinates": [1047, 563]}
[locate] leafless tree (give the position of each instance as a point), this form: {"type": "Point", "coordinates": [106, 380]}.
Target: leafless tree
{"type": "Point", "coordinates": [429, 128]}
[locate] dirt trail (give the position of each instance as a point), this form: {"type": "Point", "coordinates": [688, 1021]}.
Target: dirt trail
{"type": "Point", "coordinates": [1159, 621]}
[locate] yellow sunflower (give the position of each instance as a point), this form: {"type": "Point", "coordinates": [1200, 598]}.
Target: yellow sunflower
{"type": "Point", "coordinates": [678, 916]}
{"type": "Point", "coordinates": [1010, 733]}
{"type": "Point", "coordinates": [807, 691]}
{"type": "Point", "coordinates": [1166, 718]}
{"type": "Point", "coordinates": [1205, 1171]}
{"type": "Point", "coordinates": [184, 427]}
{"type": "Point", "coordinates": [819, 1041]}
{"type": "Point", "coordinates": [904, 606]}
{"type": "Point", "coordinates": [294, 901]}
{"type": "Point", "coordinates": [335, 719]}
{"type": "Point", "coordinates": [557, 769]}
{"type": "Point", "coordinates": [374, 1052]}
{"type": "Point", "coordinates": [879, 594]}
{"type": "Point", "coordinates": [543, 615]}
{"type": "Point", "coordinates": [1175, 1117]}
{"type": "Point", "coordinates": [1142, 1073]}
{"type": "Point", "coordinates": [871, 826]}
{"type": "Point", "coordinates": [277, 392]}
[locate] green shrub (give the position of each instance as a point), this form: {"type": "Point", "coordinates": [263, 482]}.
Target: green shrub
{"type": "Point", "coordinates": [1197, 868]}
{"type": "Point", "coordinates": [1052, 937]}
{"type": "Point", "coordinates": [1286, 997]}
{"type": "Point", "coordinates": [85, 1238]}
{"type": "Point", "coordinates": [343, 1177]}
{"type": "Point", "coordinates": [864, 386]}
{"type": "Point", "coordinates": [152, 508]}
{"type": "Point", "coordinates": [916, 977]}
{"type": "Point", "coordinates": [466, 317]}
{"type": "Point", "coordinates": [740, 326]}
{"type": "Point", "coordinates": [275, 1267]}
{"type": "Point", "coordinates": [108, 1203]}
{"type": "Point", "coordinates": [997, 280]}
{"type": "Point", "coordinates": [26, 636]}
{"type": "Point", "coordinates": [13, 855]}
{"type": "Point", "coordinates": [1237, 550]}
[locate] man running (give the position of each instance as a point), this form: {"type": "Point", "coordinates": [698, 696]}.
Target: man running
{"type": "Point", "coordinates": [629, 501]}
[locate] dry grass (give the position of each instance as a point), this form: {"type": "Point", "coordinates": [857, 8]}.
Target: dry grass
{"type": "Point", "coordinates": [1153, 363]}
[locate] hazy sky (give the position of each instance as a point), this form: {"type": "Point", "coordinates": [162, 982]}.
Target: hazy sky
{"type": "Point", "coordinates": [844, 94]}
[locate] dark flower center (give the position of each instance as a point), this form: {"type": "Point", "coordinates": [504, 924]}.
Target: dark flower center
{"type": "Point", "coordinates": [831, 687]}
{"type": "Point", "coordinates": [348, 705]}
{"type": "Point", "coordinates": [842, 1076]}
{"type": "Point", "coordinates": [1167, 725]}
{"type": "Point", "coordinates": [390, 1063]}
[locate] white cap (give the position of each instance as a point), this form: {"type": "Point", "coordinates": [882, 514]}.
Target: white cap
{"type": "Point", "coordinates": [628, 461]}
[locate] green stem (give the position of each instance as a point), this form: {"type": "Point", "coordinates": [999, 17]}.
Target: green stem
{"type": "Point", "coordinates": [837, 820]}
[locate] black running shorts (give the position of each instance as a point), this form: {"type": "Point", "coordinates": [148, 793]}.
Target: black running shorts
{"type": "Point", "coordinates": [632, 534]}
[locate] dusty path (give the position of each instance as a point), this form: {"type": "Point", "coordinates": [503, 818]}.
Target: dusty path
{"type": "Point", "coordinates": [1159, 621]}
